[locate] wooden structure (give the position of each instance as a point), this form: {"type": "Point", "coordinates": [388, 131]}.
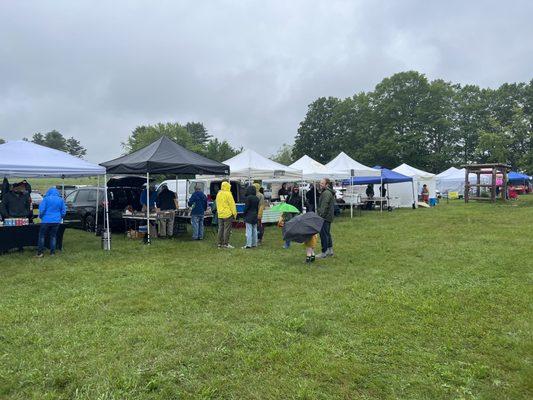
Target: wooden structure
{"type": "Point", "coordinates": [486, 169]}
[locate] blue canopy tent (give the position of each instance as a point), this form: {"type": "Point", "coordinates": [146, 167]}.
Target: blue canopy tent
{"type": "Point", "coordinates": [517, 178]}
{"type": "Point", "coordinates": [387, 177]}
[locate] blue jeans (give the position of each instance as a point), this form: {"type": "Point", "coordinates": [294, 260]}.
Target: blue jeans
{"type": "Point", "coordinates": [197, 222]}
{"type": "Point", "coordinates": [251, 235]}
{"type": "Point", "coordinates": [51, 230]}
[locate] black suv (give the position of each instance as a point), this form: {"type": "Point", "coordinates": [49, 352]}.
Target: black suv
{"type": "Point", "coordinates": [121, 192]}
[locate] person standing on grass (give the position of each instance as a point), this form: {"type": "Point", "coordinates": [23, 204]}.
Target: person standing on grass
{"type": "Point", "coordinates": [166, 201]}
{"type": "Point", "coordinates": [326, 209]}
{"type": "Point", "coordinates": [260, 227]}
{"type": "Point", "coordinates": [198, 203]}
{"type": "Point", "coordinates": [226, 213]}
{"type": "Point", "coordinates": [51, 212]}
{"type": "Point", "coordinates": [251, 211]}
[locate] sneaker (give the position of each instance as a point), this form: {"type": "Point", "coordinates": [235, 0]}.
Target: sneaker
{"type": "Point", "coordinates": [308, 260]}
{"type": "Point", "coordinates": [321, 255]}
{"type": "Point", "coordinates": [39, 255]}
{"type": "Point", "coordinates": [313, 258]}
{"type": "Point", "coordinates": [245, 247]}
{"type": "Point", "coordinates": [229, 246]}
{"type": "Point", "coordinates": [285, 246]}
{"type": "Point", "coordinates": [329, 252]}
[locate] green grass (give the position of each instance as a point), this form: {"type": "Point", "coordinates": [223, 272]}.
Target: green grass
{"type": "Point", "coordinates": [43, 184]}
{"type": "Point", "coordinates": [425, 304]}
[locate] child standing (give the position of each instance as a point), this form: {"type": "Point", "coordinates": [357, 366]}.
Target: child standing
{"type": "Point", "coordinates": [310, 245]}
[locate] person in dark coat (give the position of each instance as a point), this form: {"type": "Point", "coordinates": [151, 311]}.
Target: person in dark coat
{"type": "Point", "coordinates": [283, 192]}
{"type": "Point", "coordinates": [251, 212]}
{"type": "Point", "coordinates": [166, 201]}
{"type": "Point", "coordinates": [370, 195]}
{"type": "Point", "coordinates": [326, 209]}
{"type": "Point", "coordinates": [16, 203]}
{"type": "Point", "coordinates": [295, 199]}
{"type": "Point", "coordinates": [310, 197]}
{"type": "Point", "coordinates": [198, 202]}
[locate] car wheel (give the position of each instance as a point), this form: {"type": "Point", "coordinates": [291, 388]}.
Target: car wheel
{"type": "Point", "coordinates": [88, 223]}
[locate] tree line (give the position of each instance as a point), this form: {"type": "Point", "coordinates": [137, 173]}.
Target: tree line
{"type": "Point", "coordinates": [430, 125]}
{"type": "Point", "coordinates": [193, 136]}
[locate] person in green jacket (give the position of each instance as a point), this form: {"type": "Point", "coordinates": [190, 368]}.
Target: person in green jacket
{"type": "Point", "coordinates": [326, 209]}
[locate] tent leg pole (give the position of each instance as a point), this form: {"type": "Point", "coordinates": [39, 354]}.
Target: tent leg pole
{"type": "Point", "coordinates": [147, 208]}
{"type": "Point", "coordinates": [413, 188]}
{"type": "Point", "coordinates": [381, 194]}
{"type": "Point", "coordinates": [106, 221]}
{"type": "Point", "coordinates": [177, 192]}
{"type": "Point", "coordinates": [316, 211]}
{"type": "Point", "coordinates": [97, 204]}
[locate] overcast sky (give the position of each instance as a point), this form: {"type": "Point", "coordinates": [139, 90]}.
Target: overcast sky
{"type": "Point", "coordinates": [247, 69]}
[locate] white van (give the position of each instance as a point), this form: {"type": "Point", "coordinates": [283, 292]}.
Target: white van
{"type": "Point", "coordinates": [210, 187]}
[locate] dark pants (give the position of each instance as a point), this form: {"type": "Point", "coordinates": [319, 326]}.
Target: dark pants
{"type": "Point", "coordinates": [51, 230]}
{"type": "Point", "coordinates": [325, 236]}
{"type": "Point", "coordinates": [260, 230]}
{"type": "Point", "coordinates": [224, 230]}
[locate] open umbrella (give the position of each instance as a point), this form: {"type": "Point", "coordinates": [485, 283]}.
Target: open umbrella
{"type": "Point", "coordinates": [284, 207]}
{"type": "Point", "coordinates": [300, 228]}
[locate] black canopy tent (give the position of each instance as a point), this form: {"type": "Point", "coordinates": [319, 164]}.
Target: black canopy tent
{"type": "Point", "coordinates": [164, 156]}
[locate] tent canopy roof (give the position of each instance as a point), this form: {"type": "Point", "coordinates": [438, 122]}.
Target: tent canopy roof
{"type": "Point", "coordinates": [345, 164]}
{"type": "Point", "coordinates": [164, 156]}
{"type": "Point", "coordinates": [413, 172]}
{"type": "Point", "coordinates": [250, 164]}
{"type": "Point", "coordinates": [517, 177]}
{"type": "Point", "coordinates": [387, 176]}
{"type": "Point", "coordinates": [30, 160]}
{"type": "Point", "coordinates": [312, 169]}
{"type": "Point", "coordinates": [449, 171]}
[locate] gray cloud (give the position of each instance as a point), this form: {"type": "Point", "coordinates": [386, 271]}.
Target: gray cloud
{"type": "Point", "coordinates": [248, 70]}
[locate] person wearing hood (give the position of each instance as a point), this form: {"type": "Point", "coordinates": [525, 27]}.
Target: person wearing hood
{"type": "Point", "coordinates": [51, 212]}
{"type": "Point", "coordinates": [16, 203]}
{"type": "Point", "coordinates": [251, 212]}
{"type": "Point", "coordinates": [326, 209]}
{"type": "Point", "coordinates": [198, 203]}
{"type": "Point", "coordinates": [260, 227]}
{"type": "Point", "coordinates": [310, 197]}
{"type": "Point", "coordinates": [226, 213]}
{"type": "Point", "coordinates": [296, 200]}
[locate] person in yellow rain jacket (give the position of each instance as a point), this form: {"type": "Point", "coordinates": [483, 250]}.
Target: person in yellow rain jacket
{"type": "Point", "coordinates": [226, 212]}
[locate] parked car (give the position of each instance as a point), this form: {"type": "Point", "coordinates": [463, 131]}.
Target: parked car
{"type": "Point", "coordinates": [67, 188]}
{"type": "Point", "coordinates": [36, 199]}
{"type": "Point", "coordinates": [209, 186]}
{"type": "Point", "coordinates": [122, 192]}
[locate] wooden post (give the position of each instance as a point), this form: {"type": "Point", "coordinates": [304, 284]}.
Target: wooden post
{"type": "Point", "coordinates": [493, 187]}
{"type": "Point", "coordinates": [467, 185]}
{"type": "Point", "coordinates": [478, 181]}
{"type": "Point", "coordinates": [504, 184]}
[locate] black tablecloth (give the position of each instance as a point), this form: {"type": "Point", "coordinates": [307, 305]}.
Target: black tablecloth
{"type": "Point", "coordinates": [13, 237]}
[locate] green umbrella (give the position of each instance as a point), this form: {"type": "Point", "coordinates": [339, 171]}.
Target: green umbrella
{"type": "Point", "coordinates": [284, 207]}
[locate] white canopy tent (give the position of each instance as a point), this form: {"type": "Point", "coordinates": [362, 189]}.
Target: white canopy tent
{"type": "Point", "coordinates": [453, 180]}
{"type": "Point", "coordinates": [252, 165]}
{"type": "Point", "coordinates": [312, 170]}
{"type": "Point", "coordinates": [346, 165]}
{"type": "Point", "coordinates": [30, 160]}
{"type": "Point", "coordinates": [19, 158]}
{"type": "Point", "coordinates": [404, 191]}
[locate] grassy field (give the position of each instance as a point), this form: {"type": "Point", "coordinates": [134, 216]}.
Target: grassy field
{"type": "Point", "coordinates": [425, 304]}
